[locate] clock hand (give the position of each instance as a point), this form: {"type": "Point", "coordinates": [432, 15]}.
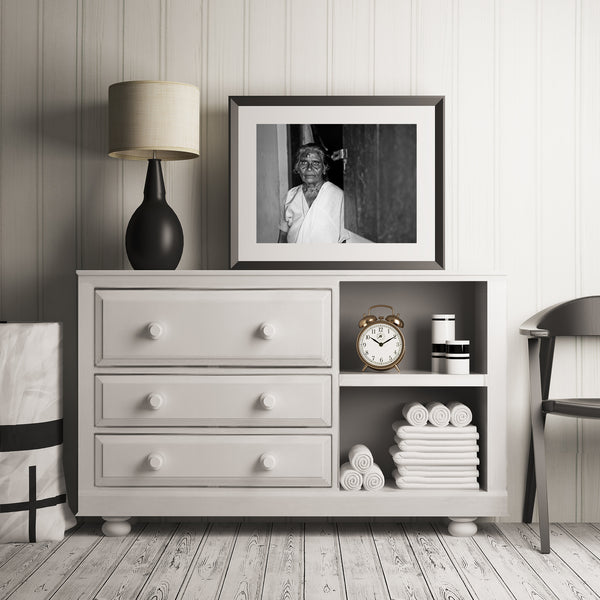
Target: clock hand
{"type": "Point", "coordinates": [386, 341]}
{"type": "Point", "coordinates": [373, 339]}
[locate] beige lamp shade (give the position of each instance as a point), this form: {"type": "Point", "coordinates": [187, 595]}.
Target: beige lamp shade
{"type": "Point", "coordinates": [154, 119]}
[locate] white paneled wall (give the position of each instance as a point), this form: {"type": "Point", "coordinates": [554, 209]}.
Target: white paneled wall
{"type": "Point", "coordinates": [522, 86]}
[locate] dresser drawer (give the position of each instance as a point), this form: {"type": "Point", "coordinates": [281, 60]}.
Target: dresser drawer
{"type": "Point", "coordinates": [213, 327]}
{"type": "Point", "coordinates": [213, 460]}
{"type": "Point", "coordinates": [214, 400]}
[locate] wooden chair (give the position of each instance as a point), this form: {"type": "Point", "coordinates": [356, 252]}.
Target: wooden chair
{"type": "Point", "coordinates": [579, 317]}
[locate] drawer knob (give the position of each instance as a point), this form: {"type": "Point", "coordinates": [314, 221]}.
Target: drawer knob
{"type": "Point", "coordinates": [155, 401]}
{"type": "Point", "coordinates": [155, 461]}
{"type": "Point", "coordinates": [267, 401]}
{"type": "Point", "coordinates": [155, 330]}
{"type": "Point", "coordinates": [268, 330]}
{"type": "Point", "coordinates": [267, 462]}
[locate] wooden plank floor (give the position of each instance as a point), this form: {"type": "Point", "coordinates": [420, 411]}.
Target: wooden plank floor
{"type": "Point", "coordinates": [277, 561]}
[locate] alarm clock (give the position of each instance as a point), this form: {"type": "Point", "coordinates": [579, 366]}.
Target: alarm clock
{"type": "Point", "coordinates": [380, 342]}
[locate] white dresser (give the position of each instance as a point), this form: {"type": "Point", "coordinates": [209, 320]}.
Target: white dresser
{"type": "Point", "coordinates": [239, 393]}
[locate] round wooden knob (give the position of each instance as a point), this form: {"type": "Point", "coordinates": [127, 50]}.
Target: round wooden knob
{"type": "Point", "coordinates": [155, 401]}
{"type": "Point", "coordinates": [267, 401]}
{"type": "Point", "coordinates": [155, 330]}
{"type": "Point", "coordinates": [267, 462]}
{"type": "Point", "coordinates": [267, 330]}
{"type": "Point", "coordinates": [155, 461]}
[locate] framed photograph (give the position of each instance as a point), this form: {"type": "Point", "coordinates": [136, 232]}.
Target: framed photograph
{"type": "Point", "coordinates": [326, 182]}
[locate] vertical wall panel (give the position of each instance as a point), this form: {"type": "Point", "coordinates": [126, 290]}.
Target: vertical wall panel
{"type": "Point", "coordinates": [392, 47]}
{"type": "Point", "coordinates": [434, 72]}
{"type": "Point", "coordinates": [589, 191]}
{"type": "Point", "coordinates": [20, 120]}
{"type": "Point", "coordinates": [267, 55]}
{"type": "Point", "coordinates": [101, 201]}
{"type": "Point", "coordinates": [183, 60]}
{"type": "Point", "coordinates": [557, 219]}
{"type": "Point", "coordinates": [517, 134]}
{"type": "Point", "coordinates": [59, 202]}
{"type": "Point", "coordinates": [474, 231]}
{"type": "Point", "coordinates": [225, 77]}
{"type": "Point", "coordinates": [352, 47]}
{"type": "Point", "coordinates": [309, 47]}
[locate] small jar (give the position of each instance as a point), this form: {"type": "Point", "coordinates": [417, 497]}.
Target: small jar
{"type": "Point", "coordinates": [438, 358]}
{"type": "Point", "coordinates": [457, 357]}
{"type": "Point", "coordinates": [442, 329]}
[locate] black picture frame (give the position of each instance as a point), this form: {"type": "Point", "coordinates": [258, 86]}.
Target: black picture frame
{"type": "Point", "coordinates": [395, 148]}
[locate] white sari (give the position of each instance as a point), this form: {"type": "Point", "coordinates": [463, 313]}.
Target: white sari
{"type": "Point", "coordinates": [321, 223]}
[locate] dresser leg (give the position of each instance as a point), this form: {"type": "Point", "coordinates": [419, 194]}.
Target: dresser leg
{"type": "Point", "coordinates": [116, 526]}
{"type": "Point", "coordinates": [462, 526]}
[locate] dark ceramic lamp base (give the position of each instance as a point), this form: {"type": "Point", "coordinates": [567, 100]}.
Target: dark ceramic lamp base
{"type": "Point", "coordinates": [154, 238]}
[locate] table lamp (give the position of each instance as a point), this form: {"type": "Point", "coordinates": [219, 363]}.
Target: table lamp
{"type": "Point", "coordinates": [154, 121]}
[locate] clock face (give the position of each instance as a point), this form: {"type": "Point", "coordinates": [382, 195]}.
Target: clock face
{"type": "Point", "coordinates": [380, 345]}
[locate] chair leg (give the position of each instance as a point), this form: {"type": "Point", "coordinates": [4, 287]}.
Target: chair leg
{"type": "Point", "coordinates": [529, 501]}
{"type": "Point", "coordinates": [539, 450]}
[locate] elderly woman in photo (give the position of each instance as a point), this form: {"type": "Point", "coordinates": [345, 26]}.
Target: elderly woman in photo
{"type": "Point", "coordinates": [313, 212]}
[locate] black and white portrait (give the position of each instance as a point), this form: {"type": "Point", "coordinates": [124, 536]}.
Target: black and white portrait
{"type": "Point", "coordinates": [346, 184]}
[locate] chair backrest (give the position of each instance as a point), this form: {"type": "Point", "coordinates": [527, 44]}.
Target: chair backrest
{"type": "Point", "coordinates": [580, 316]}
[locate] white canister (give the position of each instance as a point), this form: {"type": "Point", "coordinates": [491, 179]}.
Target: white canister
{"type": "Point", "coordinates": [457, 357]}
{"type": "Point", "coordinates": [442, 329]}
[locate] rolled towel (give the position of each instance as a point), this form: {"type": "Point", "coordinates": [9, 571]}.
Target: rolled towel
{"type": "Point", "coordinates": [350, 479]}
{"type": "Point", "coordinates": [373, 479]}
{"type": "Point", "coordinates": [439, 414]}
{"type": "Point", "coordinates": [460, 414]}
{"type": "Point", "coordinates": [415, 413]}
{"type": "Point", "coordinates": [360, 458]}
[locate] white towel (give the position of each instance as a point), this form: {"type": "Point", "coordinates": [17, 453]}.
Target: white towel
{"type": "Point", "coordinates": [360, 458]}
{"type": "Point", "coordinates": [415, 413]}
{"type": "Point", "coordinates": [373, 479]}
{"type": "Point", "coordinates": [460, 414]}
{"type": "Point", "coordinates": [411, 479]}
{"type": "Point", "coordinates": [350, 479]}
{"type": "Point", "coordinates": [439, 414]}
{"type": "Point", "coordinates": [405, 431]}
{"type": "Point", "coordinates": [424, 446]}
{"type": "Point", "coordinates": [436, 471]}
{"type": "Point", "coordinates": [434, 455]}
{"type": "Point", "coordinates": [431, 459]}
{"type": "Point", "coordinates": [438, 486]}
{"type": "Point", "coordinates": [434, 443]}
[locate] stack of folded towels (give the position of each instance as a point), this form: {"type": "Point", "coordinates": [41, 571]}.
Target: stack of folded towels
{"type": "Point", "coordinates": [436, 447]}
{"type": "Point", "coordinates": [360, 471]}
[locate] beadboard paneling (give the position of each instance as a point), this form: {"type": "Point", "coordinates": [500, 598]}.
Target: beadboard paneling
{"type": "Point", "coordinates": [522, 86]}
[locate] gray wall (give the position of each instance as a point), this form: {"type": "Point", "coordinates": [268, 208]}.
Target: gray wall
{"type": "Point", "coordinates": [522, 89]}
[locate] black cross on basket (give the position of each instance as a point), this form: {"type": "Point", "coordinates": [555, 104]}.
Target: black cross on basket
{"type": "Point", "coordinates": [14, 438]}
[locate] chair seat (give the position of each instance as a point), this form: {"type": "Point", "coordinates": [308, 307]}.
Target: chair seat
{"type": "Point", "coordinates": [573, 407]}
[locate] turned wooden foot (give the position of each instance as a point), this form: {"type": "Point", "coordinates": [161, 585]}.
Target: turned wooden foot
{"type": "Point", "coordinates": [116, 526]}
{"type": "Point", "coordinates": [462, 526]}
